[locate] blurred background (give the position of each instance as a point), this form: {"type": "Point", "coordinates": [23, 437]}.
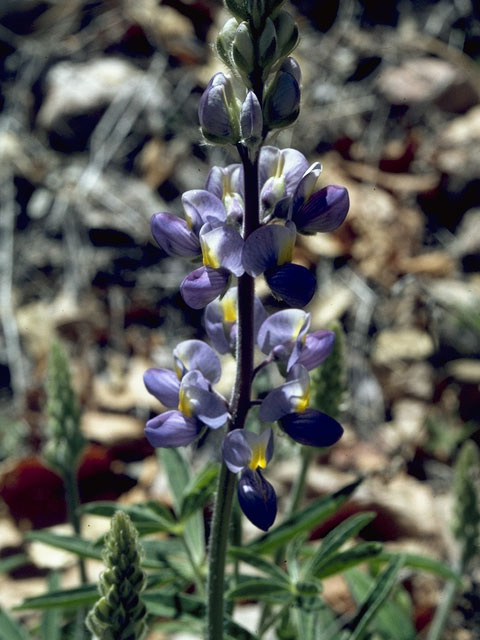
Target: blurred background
{"type": "Point", "coordinates": [99, 130]}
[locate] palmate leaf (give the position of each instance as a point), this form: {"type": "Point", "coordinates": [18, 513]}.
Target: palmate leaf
{"type": "Point", "coordinates": [13, 562]}
{"type": "Point", "coordinates": [62, 599]}
{"type": "Point", "coordinates": [377, 594]}
{"type": "Point", "coordinates": [186, 607]}
{"type": "Point", "coordinates": [52, 618]}
{"type": "Point", "coordinates": [148, 517]}
{"type": "Point", "coordinates": [313, 515]}
{"type": "Point", "coordinates": [391, 621]}
{"type": "Point", "coordinates": [155, 553]}
{"type": "Point", "coordinates": [416, 561]}
{"type": "Point", "coordinates": [334, 540]}
{"type": "Point", "coordinates": [10, 629]}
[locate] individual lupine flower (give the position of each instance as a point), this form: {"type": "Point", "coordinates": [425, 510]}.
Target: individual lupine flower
{"type": "Point", "coordinates": [248, 453]}
{"type": "Point", "coordinates": [251, 119]}
{"type": "Point", "coordinates": [323, 211]}
{"type": "Point", "coordinates": [179, 237]}
{"type": "Point", "coordinates": [222, 256]}
{"type": "Point", "coordinates": [226, 183]}
{"type": "Point", "coordinates": [187, 392]}
{"type": "Point", "coordinates": [269, 251]}
{"type": "Point", "coordinates": [288, 404]}
{"type": "Point", "coordinates": [218, 111]}
{"type": "Point", "coordinates": [197, 406]}
{"type": "Point", "coordinates": [283, 335]}
{"type": "Point", "coordinates": [120, 612]}
{"type": "Point", "coordinates": [221, 320]}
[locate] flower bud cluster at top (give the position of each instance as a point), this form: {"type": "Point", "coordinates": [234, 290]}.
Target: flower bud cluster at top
{"type": "Point", "coordinates": [262, 94]}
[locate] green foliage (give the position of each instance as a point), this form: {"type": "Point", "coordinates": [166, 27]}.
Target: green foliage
{"type": "Point", "coordinates": [65, 440]}
{"type": "Point", "coordinates": [466, 524]}
{"type": "Point", "coordinates": [120, 614]}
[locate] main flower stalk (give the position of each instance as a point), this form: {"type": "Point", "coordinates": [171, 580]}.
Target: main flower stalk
{"type": "Point", "coordinates": [239, 406]}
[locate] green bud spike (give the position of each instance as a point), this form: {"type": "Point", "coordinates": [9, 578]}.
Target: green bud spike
{"type": "Point", "coordinates": [273, 6]}
{"type": "Point", "coordinates": [328, 380]}
{"type": "Point", "coordinates": [65, 440]}
{"type": "Point", "coordinates": [257, 11]}
{"type": "Point", "coordinates": [287, 33]}
{"type": "Point", "coordinates": [243, 51]}
{"type": "Point", "coordinates": [224, 41]}
{"type": "Point", "coordinates": [239, 8]}
{"type": "Point", "coordinates": [466, 523]}
{"type": "Point", "coordinates": [120, 613]}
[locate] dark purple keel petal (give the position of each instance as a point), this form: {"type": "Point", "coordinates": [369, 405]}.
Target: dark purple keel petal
{"type": "Point", "coordinates": [171, 429]}
{"type": "Point", "coordinates": [292, 283]}
{"type": "Point", "coordinates": [164, 385]}
{"type": "Point", "coordinates": [312, 428]}
{"type": "Point", "coordinates": [324, 211]}
{"type": "Point", "coordinates": [203, 285]}
{"type": "Point", "coordinates": [257, 499]}
{"type": "Point", "coordinates": [317, 347]}
{"type": "Point", "coordinates": [173, 236]}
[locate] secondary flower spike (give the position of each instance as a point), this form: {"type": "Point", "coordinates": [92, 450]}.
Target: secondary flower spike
{"type": "Point", "coordinates": [248, 453]}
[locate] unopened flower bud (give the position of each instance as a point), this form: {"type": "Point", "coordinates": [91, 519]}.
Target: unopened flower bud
{"type": "Point", "coordinates": [287, 33]}
{"type": "Point", "coordinates": [217, 111]}
{"type": "Point", "coordinates": [239, 8]}
{"type": "Point", "coordinates": [225, 39]}
{"type": "Point", "coordinates": [290, 65]}
{"type": "Point", "coordinates": [273, 6]}
{"type": "Point", "coordinates": [251, 118]}
{"type": "Point", "coordinates": [243, 52]}
{"type": "Point", "coordinates": [258, 11]}
{"type": "Point", "coordinates": [267, 45]}
{"type": "Point", "coordinates": [282, 102]}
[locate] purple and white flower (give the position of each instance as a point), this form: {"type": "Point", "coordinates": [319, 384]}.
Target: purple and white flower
{"type": "Point", "coordinates": [247, 453]}
{"type": "Point", "coordinates": [283, 336]}
{"type": "Point", "coordinates": [288, 404]}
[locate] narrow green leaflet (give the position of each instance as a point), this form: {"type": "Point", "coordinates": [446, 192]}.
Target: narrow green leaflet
{"type": "Point", "coordinates": [199, 491]}
{"type": "Point", "coordinates": [334, 540]}
{"type": "Point", "coordinates": [75, 544]}
{"type": "Point", "coordinates": [146, 519]}
{"type": "Point", "coordinates": [13, 562]}
{"type": "Point", "coordinates": [10, 629]}
{"type": "Point", "coordinates": [344, 560]}
{"type": "Point", "coordinates": [239, 553]}
{"type": "Point", "coordinates": [392, 622]}
{"type": "Point", "coordinates": [313, 515]}
{"type": "Point", "coordinates": [65, 598]}
{"type": "Point", "coordinates": [262, 589]}
{"type": "Point", "coordinates": [86, 548]}
{"type": "Point", "coordinates": [52, 618]}
{"type": "Point", "coordinates": [415, 561]}
{"type": "Point", "coordinates": [178, 473]}
{"type": "Point", "coordinates": [376, 596]}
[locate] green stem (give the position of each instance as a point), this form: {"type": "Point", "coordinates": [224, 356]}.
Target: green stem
{"type": "Point", "coordinates": [298, 490]}
{"type": "Point", "coordinates": [73, 502]}
{"type": "Point", "coordinates": [239, 406]}
{"type": "Point", "coordinates": [196, 571]}
{"type": "Point", "coordinates": [442, 612]}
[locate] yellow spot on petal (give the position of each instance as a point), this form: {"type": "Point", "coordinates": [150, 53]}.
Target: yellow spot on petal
{"type": "Point", "coordinates": [184, 404]}
{"type": "Point", "coordinates": [302, 402]}
{"type": "Point", "coordinates": [258, 457]}
{"type": "Point", "coordinates": [286, 252]}
{"type": "Point", "coordinates": [208, 255]}
{"type": "Point", "coordinates": [229, 309]}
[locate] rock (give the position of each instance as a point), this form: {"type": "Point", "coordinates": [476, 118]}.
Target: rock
{"type": "Point", "coordinates": [402, 344]}
{"type": "Point", "coordinates": [110, 428]}
{"type": "Point", "coordinates": [427, 80]}
{"type": "Point", "coordinates": [465, 370]}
